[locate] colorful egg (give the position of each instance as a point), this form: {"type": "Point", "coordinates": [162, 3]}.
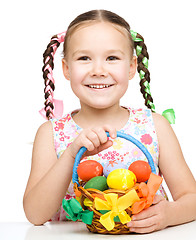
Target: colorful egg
{"type": "Point", "coordinates": [99, 182]}
{"type": "Point", "coordinates": [109, 168]}
{"type": "Point", "coordinates": [141, 169]}
{"type": "Point", "coordinates": [121, 179]}
{"type": "Point", "coordinates": [89, 169]}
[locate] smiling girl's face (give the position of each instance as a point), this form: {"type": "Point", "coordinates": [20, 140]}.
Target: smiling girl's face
{"type": "Point", "coordinates": [99, 64]}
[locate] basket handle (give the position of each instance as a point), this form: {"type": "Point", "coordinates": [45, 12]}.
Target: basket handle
{"type": "Point", "coordinates": [122, 135]}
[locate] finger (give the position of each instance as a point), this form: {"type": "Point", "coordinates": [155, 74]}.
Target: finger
{"type": "Point", "coordinates": [149, 212]}
{"type": "Point", "coordinates": [100, 132]}
{"type": "Point", "coordinates": [111, 130]}
{"type": "Point", "coordinates": [158, 198]}
{"type": "Point", "coordinates": [143, 229]}
{"type": "Point", "coordinates": [93, 137]}
{"type": "Point", "coordinates": [105, 145]}
{"type": "Point", "coordinates": [99, 149]}
{"type": "Point", "coordinates": [142, 223]}
{"type": "Point", "coordinates": [88, 144]}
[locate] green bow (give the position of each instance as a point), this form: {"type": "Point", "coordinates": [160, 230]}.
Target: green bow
{"type": "Point", "coordinates": [75, 211]}
{"type": "Point", "coordinates": [134, 36]}
{"type": "Point", "coordinates": [169, 114]}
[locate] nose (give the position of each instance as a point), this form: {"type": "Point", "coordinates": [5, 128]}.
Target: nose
{"type": "Point", "coordinates": [98, 69]}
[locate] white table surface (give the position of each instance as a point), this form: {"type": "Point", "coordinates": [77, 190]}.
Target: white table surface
{"type": "Point", "coordinates": [78, 230]}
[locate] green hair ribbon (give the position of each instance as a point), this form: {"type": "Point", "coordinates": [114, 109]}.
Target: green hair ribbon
{"type": "Point", "coordinates": [142, 74]}
{"type": "Point", "coordinates": [138, 50]}
{"type": "Point", "coordinates": [151, 105]}
{"type": "Point", "coordinates": [134, 36]}
{"type": "Point", "coordinates": [169, 114]}
{"type": "Point", "coordinates": [145, 62]}
{"type": "Point", "coordinates": [147, 89]}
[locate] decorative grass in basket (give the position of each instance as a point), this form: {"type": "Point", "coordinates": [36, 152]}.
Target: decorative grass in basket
{"type": "Point", "coordinates": [106, 210]}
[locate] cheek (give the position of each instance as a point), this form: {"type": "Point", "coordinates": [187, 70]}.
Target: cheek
{"type": "Point", "coordinates": [77, 73]}
{"type": "Point", "coordinates": [121, 73]}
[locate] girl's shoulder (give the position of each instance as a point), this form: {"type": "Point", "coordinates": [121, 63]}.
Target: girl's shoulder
{"type": "Point", "coordinates": [160, 121]}
{"type": "Point", "coordinates": [45, 129]}
{"type": "Point", "coordinates": [163, 128]}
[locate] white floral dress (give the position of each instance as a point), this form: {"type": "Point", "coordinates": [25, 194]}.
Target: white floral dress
{"type": "Point", "coordinates": [140, 125]}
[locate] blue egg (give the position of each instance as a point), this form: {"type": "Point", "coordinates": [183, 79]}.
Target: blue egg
{"type": "Point", "coordinates": [109, 168]}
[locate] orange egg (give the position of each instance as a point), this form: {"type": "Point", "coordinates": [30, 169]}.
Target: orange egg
{"type": "Point", "coordinates": [141, 169]}
{"type": "Point", "coordinates": [89, 169]}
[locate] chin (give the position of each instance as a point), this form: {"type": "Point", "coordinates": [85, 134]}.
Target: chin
{"type": "Point", "coordinates": [101, 106]}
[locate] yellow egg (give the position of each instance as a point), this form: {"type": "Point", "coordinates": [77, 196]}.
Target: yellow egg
{"type": "Point", "coordinates": [121, 179]}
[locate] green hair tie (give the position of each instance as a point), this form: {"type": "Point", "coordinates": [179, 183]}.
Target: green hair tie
{"type": "Point", "coordinates": [169, 114]}
{"type": "Point", "coordinates": [134, 36]}
{"type": "Point", "coordinates": [151, 105]}
{"type": "Point", "coordinates": [142, 74]}
{"type": "Point", "coordinates": [147, 89]}
{"type": "Point", "coordinates": [138, 50]}
{"type": "Point", "coordinates": [145, 62]}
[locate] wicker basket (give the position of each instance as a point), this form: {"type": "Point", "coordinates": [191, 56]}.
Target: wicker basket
{"type": "Point", "coordinates": [96, 226]}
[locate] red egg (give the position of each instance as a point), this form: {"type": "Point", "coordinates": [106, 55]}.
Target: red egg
{"type": "Point", "coordinates": [89, 169]}
{"type": "Point", "coordinates": [141, 169]}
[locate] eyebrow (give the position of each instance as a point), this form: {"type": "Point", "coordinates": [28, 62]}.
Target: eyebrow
{"type": "Point", "coordinates": [110, 51]}
{"type": "Point", "coordinates": [115, 51]}
{"type": "Point", "coordinates": [81, 52]}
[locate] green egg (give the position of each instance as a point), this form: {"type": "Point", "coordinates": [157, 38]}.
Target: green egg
{"type": "Point", "coordinates": [99, 183]}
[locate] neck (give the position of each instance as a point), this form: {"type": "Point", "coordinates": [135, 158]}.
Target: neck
{"type": "Point", "coordinates": [88, 117]}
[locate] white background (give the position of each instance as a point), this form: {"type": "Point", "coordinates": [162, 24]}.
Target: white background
{"type": "Point", "coordinates": [26, 28]}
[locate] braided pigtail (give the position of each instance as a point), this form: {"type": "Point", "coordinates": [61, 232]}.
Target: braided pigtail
{"type": "Point", "coordinates": [48, 73]}
{"type": "Point", "coordinates": [142, 68]}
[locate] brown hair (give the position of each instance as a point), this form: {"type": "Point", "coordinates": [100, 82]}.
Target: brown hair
{"type": "Point", "coordinates": [89, 17]}
{"type": "Point", "coordinates": [97, 16]}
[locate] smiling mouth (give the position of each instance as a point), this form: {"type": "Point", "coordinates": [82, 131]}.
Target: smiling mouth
{"type": "Point", "coordinates": [100, 86]}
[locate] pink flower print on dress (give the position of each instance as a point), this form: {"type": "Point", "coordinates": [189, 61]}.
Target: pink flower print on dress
{"type": "Point", "coordinates": [61, 133]}
{"type": "Point", "coordinates": [66, 118]}
{"type": "Point", "coordinates": [146, 139]}
{"type": "Point", "coordinates": [61, 125]}
{"type": "Point", "coordinates": [137, 120]}
{"type": "Point", "coordinates": [56, 144]}
{"type": "Point", "coordinates": [144, 121]}
{"type": "Point", "coordinates": [56, 129]}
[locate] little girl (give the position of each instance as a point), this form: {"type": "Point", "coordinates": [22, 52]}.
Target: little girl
{"type": "Point", "coordinates": [99, 61]}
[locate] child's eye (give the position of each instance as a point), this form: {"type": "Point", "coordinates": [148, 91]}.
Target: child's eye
{"type": "Point", "coordinates": [112, 58]}
{"type": "Point", "coordinates": [84, 58]}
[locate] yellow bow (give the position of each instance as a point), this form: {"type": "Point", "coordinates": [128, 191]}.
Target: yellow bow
{"type": "Point", "coordinates": [117, 207]}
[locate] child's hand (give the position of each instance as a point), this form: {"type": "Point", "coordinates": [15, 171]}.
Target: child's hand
{"type": "Point", "coordinates": [151, 219]}
{"type": "Point", "coordinates": [95, 140]}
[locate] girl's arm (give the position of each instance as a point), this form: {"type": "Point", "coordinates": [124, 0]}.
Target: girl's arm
{"type": "Point", "coordinates": [176, 173]}
{"type": "Point", "coordinates": [50, 177]}
{"type": "Point", "coordinates": [180, 182]}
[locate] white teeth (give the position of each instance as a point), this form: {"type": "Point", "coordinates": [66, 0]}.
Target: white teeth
{"type": "Point", "coordinates": [98, 86]}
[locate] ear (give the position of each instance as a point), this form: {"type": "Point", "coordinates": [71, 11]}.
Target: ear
{"type": "Point", "coordinates": [133, 67]}
{"type": "Point", "coordinates": [65, 69]}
